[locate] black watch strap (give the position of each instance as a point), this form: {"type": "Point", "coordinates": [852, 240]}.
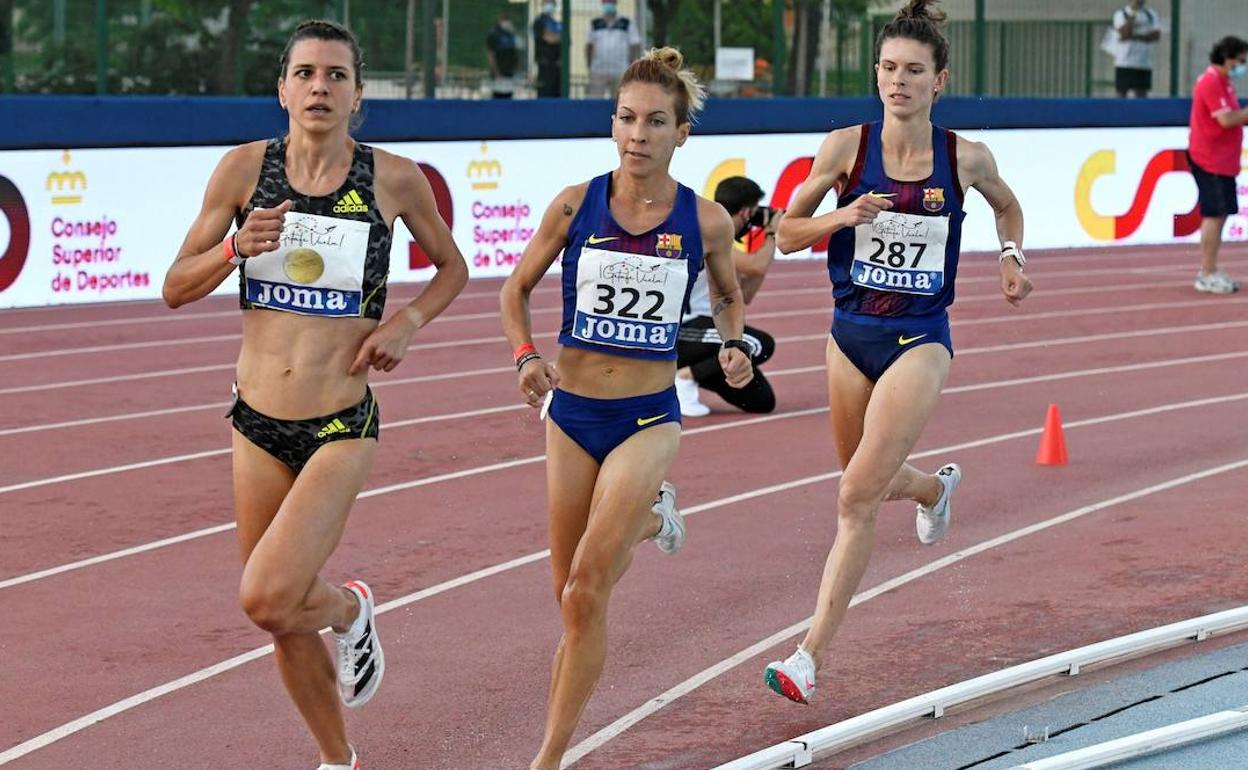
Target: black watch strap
{"type": "Point", "coordinates": [741, 345]}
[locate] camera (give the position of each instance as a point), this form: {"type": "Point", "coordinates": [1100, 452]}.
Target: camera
{"type": "Point", "coordinates": [762, 217]}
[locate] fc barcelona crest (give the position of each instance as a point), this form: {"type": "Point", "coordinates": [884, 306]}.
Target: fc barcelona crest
{"type": "Point", "coordinates": [667, 245]}
{"type": "Point", "coordinates": [933, 198]}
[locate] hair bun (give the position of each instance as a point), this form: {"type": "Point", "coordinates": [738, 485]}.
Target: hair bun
{"type": "Point", "coordinates": [667, 56]}
{"type": "Point", "coordinates": [922, 9]}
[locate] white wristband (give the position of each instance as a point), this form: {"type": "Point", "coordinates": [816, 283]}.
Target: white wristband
{"type": "Point", "coordinates": [1010, 249]}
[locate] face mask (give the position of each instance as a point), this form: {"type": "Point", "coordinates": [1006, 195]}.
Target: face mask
{"type": "Point", "coordinates": [1238, 70]}
{"type": "Point", "coordinates": [548, 8]}
{"type": "Point", "coordinates": [609, 9]}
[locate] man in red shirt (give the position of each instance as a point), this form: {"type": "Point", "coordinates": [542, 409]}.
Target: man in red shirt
{"type": "Point", "coordinates": [1214, 148]}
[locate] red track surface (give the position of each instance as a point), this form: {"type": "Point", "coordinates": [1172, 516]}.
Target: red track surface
{"type": "Point", "coordinates": [467, 664]}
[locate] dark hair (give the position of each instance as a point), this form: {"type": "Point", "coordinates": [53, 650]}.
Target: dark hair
{"type": "Point", "coordinates": [920, 21]}
{"type": "Point", "coordinates": [665, 67]}
{"type": "Point", "coordinates": [738, 192]}
{"type": "Point", "coordinates": [1228, 47]}
{"type": "Point", "coordinates": [319, 29]}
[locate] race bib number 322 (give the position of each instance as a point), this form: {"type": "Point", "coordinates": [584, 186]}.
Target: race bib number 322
{"type": "Point", "coordinates": [901, 252]}
{"type": "Point", "coordinates": [629, 300]}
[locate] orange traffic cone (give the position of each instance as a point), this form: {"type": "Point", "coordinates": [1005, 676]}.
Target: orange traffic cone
{"type": "Point", "coordinates": [1052, 449]}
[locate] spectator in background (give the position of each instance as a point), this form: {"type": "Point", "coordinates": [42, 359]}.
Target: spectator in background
{"type": "Point", "coordinates": [1138, 30]}
{"type": "Point", "coordinates": [698, 343]}
{"type": "Point", "coordinates": [1213, 151]}
{"type": "Point", "coordinates": [614, 43]}
{"type": "Point", "coordinates": [501, 50]}
{"type": "Point", "coordinates": [548, 51]}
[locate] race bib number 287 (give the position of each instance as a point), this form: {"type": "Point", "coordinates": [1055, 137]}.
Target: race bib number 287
{"type": "Point", "coordinates": [901, 252]}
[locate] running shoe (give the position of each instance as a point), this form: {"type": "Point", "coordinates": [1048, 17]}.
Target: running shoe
{"type": "Point", "coordinates": [1216, 283]}
{"type": "Point", "coordinates": [671, 535]}
{"type": "Point", "coordinates": [932, 523]}
{"type": "Point", "coordinates": [1234, 281]}
{"type": "Point", "coordinates": [353, 765]}
{"type": "Point", "coordinates": [793, 677]}
{"type": "Point", "coordinates": [361, 663]}
{"type": "Point", "coordinates": [687, 394]}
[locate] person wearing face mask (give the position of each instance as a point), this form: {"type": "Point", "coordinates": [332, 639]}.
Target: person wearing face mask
{"type": "Point", "coordinates": [1138, 30]}
{"type": "Point", "coordinates": [1215, 142]}
{"type": "Point", "coordinates": [698, 343]}
{"type": "Point", "coordinates": [503, 55]}
{"type": "Point", "coordinates": [613, 43]}
{"type": "Point", "coordinates": [548, 52]}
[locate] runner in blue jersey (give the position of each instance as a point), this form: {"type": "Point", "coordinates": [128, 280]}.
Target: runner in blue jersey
{"type": "Point", "coordinates": [893, 258]}
{"type": "Point", "coordinates": [633, 241]}
{"type": "Point", "coordinates": [314, 212]}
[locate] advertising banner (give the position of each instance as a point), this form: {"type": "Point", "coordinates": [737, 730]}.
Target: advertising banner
{"type": "Point", "coordinates": [104, 225]}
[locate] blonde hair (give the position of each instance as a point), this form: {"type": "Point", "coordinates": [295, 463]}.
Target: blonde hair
{"type": "Point", "coordinates": [665, 67]}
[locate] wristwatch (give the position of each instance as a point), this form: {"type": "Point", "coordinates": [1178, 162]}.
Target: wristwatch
{"type": "Point", "coordinates": [741, 345]}
{"type": "Point", "coordinates": [1010, 249]}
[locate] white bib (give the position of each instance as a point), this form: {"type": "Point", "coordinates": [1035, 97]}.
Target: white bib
{"type": "Point", "coordinates": [901, 252]}
{"type": "Point", "coordinates": [317, 269]}
{"type": "Point", "coordinates": [629, 300]}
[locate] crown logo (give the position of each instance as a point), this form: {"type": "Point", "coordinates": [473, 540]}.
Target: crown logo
{"type": "Point", "coordinates": [64, 185]}
{"type": "Point", "coordinates": [484, 173]}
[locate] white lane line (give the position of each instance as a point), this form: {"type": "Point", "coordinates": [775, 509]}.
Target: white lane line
{"type": "Point", "coordinates": [167, 316]}
{"type": "Point", "coordinates": [970, 351]}
{"type": "Point", "coordinates": [43, 387]}
{"type": "Point", "coordinates": [110, 471]}
{"type": "Point", "coordinates": [1013, 317]}
{"type": "Point", "coordinates": [602, 736]}
{"type": "Point", "coordinates": [739, 423]}
{"type": "Point", "coordinates": [498, 338]}
{"type": "Point", "coordinates": [223, 404]}
{"type": "Point", "coordinates": [622, 724]}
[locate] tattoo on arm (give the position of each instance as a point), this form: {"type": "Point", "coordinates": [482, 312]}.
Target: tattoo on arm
{"type": "Point", "coordinates": [567, 210]}
{"type": "Point", "coordinates": [721, 306]}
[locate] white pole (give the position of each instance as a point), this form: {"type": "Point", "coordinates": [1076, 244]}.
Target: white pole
{"type": "Point", "coordinates": [719, 23]}
{"type": "Point", "coordinates": [444, 53]}
{"type": "Point", "coordinates": [640, 16]}
{"type": "Point", "coordinates": [825, 37]}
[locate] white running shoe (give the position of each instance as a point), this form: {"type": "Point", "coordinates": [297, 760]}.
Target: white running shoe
{"type": "Point", "coordinates": [671, 535]}
{"type": "Point", "coordinates": [1216, 283]}
{"type": "Point", "coordinates": [687, 393]}
{"type": "Point", "coordinates": [932, 523]}
{"type": "Point", "coordinates": [1234, 281]}
{"type": "Point", "coordinates": [353, 765]}
{"type": "Point", "coordinates": [794, 677]}
{"type": "Point", "coordinates": [361, 663]}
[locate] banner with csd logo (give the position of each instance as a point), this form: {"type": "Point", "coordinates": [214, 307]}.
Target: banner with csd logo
{"type": "Point", "coordinates": [104, 225]}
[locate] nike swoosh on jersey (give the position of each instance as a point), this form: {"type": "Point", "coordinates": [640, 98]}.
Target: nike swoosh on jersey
{"type": "Point", "coordinates": [644, 421]}
{"type": "Point", "coordinates": [904, 340]}
{"type": "Point", "coordinates": [593, 239]}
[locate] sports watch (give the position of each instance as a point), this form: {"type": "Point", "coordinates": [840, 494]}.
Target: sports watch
{"type": "Point", "coordinates": [741, 345]}
{"type": "Point", "coordinates": [1010, 249]}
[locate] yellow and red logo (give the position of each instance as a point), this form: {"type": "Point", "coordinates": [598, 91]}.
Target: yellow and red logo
{"type": "Point", "coordinates": [667, 245]}
{"type": "Point", "coordinates": [933, 198]}
{"type": "Point", "coordinates": [1104, 227]}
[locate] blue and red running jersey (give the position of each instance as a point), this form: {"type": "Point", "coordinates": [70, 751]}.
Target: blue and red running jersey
{"type": "Point", "coordinates": [905, 262]}
{"type": "Point", "coordinates": [625, 294]}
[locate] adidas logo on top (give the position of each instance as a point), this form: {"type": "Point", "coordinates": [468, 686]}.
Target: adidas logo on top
{"type": "Point", "coordinates": [351, 203]}
{"type": "Point", "coordinates": [337, 426]}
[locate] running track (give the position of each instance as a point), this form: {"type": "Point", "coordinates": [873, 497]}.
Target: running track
{"type": "Point", "coordinates": [124, 646]}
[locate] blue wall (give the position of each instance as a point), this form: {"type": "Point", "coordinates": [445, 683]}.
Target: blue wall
{"type": "Point", "coordinates": [28, 122]}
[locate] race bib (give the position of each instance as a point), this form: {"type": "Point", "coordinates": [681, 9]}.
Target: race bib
{"type": "Point", "coordinates": [318, 268]}
{"type": "Point", "coordinates": [629, 300]}
{"type": "Point", "coordinates": [901, 252]}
